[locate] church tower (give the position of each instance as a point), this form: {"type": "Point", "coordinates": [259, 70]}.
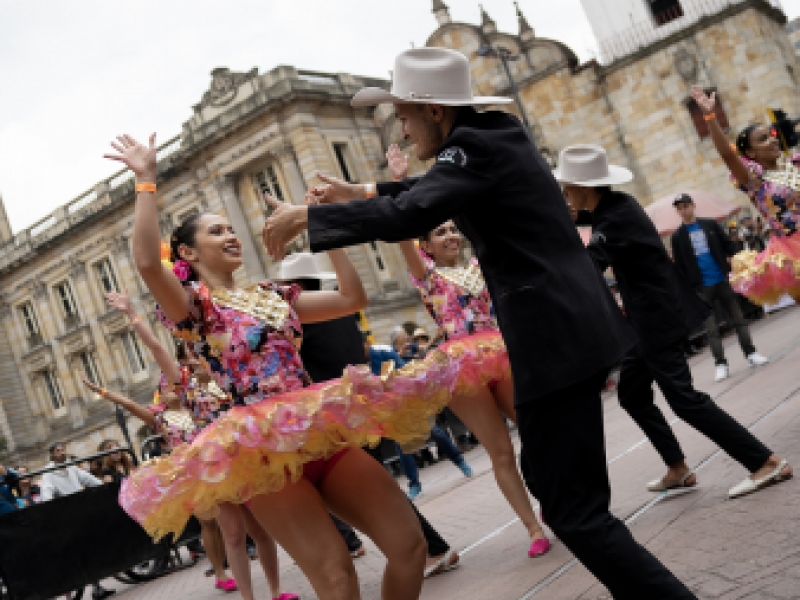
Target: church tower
{"type": "Point", "coordinates": [622, 27]}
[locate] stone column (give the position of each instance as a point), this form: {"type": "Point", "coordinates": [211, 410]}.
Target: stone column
{"type": "Point", "coordinates": [291, 173]}
{"type": "Point", "coordinates": [226, 188]}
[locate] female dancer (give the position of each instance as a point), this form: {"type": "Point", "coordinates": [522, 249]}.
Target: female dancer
{"type": "Point", "coordinates": [458, 301]}
{"type": "Point", "coordinates": [288, 452]}
{"type": "Point", "coordinates": [774, 189]}
{"type": "Point", "coordinates": [202, 403]}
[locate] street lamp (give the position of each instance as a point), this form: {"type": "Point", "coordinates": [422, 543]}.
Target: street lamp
{"type": "Point", "coordinates": [505, 55]}
{"type": "Point", "coordinates": [123, 425]}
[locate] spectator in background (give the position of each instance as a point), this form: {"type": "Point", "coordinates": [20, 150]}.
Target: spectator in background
{"type": "Point", "coordinates": [702, 254]}
{"type": "Point", "coordinates": [117, 466]}
{"type": "Point", "coordinates": [401, 343]}
{"type": "Point", "coordinates": [377, 356]}
{"type": "Point", "coordinates": [8, 483]}
{"type": "Point", "coordinates": [422, 341]}
{"type": "Point", "coordinates": [752, 234]}
{"type": "Point", "coordinates": [64, 482]}
{"type": "Point", "coordinates": [68, 480]}
{"type": "Point", "coordinates": [737, 243]}
{"type": "Point", "coordinates": [28, 490]}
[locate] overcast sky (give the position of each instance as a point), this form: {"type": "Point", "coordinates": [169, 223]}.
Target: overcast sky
{"type": "Point", "coordinates": [75, 73]}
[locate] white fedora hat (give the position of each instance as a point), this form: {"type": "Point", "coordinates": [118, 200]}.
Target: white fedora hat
{"type": "Point", "coordinates": [587, 165]}
{"type": "Point", "coordinates": [428, 76]}
{"type": "Point", "coordinates": [301, 265]}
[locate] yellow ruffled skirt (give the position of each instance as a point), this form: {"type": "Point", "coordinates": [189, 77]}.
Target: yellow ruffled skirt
{"type": "Point", "coordinates": [765, 277]}
{"type": "Point", "coordinates": [257, 449]}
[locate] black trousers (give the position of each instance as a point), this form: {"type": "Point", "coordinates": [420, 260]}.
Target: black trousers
{"type": "Point", "coordinates": [722, 295]}
{"type": "Point", "coordinates": [668, 368]}
{"type": "Point", "coordinates": [564, 449]}
{"type": "Point", "coordinates": [348, 534]}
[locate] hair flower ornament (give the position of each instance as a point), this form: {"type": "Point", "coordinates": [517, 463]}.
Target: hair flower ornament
{"type": "Point", "coordinates": [182, 269]}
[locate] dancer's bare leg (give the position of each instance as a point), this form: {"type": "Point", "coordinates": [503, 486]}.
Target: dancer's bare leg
{"type": "Point", "coordinates": [233, 525]}
{"type": "Point", "coordinates": [267, 551]}
{"type": "Point", "coordinates": [360, 491]}
{"type": "Point", "coordinates": [297, 518]}
{"type": "Point", "coordinates": [214, 546]}
{"type": "Point", "coordinates": [481, 414]}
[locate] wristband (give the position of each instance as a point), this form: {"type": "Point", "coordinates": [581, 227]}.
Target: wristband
{"type": "Point", "coordinates": [146, 187]}
{"type": "Point", "coordinates": [370, 190]}
{"type": "Point", "coordinates": [103, 393]}
{"type": "Point", "coordinates": [136, 319]}
{"type": "Point", "coordinates": [710, 117]}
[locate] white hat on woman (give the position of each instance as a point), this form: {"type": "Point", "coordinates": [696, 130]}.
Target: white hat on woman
{"type": "Point", "coordinates": [301, 265]}
{"type": "Point", "coordinates": [587, 165]}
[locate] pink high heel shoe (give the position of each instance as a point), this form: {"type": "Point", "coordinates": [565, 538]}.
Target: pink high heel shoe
{"type": "Point", "coordinates": [287, 596]}
{"type": "Point", "coordinates": [228, 585]}
{"type": "Point", "coordinates": [539, 547]}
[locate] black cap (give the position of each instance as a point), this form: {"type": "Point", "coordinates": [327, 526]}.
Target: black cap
{"type": "Point", "coordinates": [680, 198]}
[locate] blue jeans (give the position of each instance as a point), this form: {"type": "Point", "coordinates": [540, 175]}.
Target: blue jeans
{"type": "Point", "coordinates": [443, 444]}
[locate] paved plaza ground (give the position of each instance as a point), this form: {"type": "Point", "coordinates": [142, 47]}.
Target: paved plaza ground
{"type": "Point", "coordinates": [726, 549]}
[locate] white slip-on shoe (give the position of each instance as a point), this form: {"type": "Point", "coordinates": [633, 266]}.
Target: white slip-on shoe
{"type": "Point", "coordinates": [748, 486]}
{"type": "Point", "coordinates": [658, 485]}
{"type": "Point", "coordinates": [721, 372]}
{"type": "Point", "coordinates": [756, 360]}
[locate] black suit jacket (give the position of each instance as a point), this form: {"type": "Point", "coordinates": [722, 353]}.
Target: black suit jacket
{"type": "Point", "coordinates": [328, 347]}
{"type": "Point", "coordinates": [719, 244]}
{"type": "Point", "coordinates": [661, 308]}
{"type": "Point", "coordinates": [557, 317]}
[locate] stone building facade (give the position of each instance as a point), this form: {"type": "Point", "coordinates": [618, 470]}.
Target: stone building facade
{"type": "Point", "coordinates": [251, 133]}
{"type": "Point", "coordinates": [270, 132]}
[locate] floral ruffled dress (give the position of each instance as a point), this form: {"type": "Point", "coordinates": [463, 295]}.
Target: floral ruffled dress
{"type": "Point", "coordinates": [459, 302]}
{"type": "Point", "coordinates": [766, 276]}
{"type": "Point", "coordinates": [279, 423]}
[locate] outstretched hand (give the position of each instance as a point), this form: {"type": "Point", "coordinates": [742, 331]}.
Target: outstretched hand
{"type": "Point", "coordinates": [119, 301]}
{"type": "Point", "coordinates": [334, 190]}
{"type": "Point", "coordinates": [398, 162]}
{"type": "Point", "coordinates": [138, 158]}
{"type": "Point", "coordinates": [95, 388]}
{"type": "Point", "coordinates": [286, 222]}
{"type": "Point", "coordinates": [706, 102]}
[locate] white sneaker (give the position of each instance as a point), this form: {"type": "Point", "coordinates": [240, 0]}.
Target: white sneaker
{"type": "Point", "coordinates": [756, 360]}
{"type": "Point", "coordinates": [721, 372]}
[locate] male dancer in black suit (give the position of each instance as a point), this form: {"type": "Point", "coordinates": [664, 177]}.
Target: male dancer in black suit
{"type": "Point", "coordinates": [561, 326]}
{"type": "Point", "coordinates": [662, 311]}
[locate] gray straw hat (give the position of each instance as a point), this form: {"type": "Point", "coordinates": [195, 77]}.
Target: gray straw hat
{"type": "Point", "coordinates": [587, 165]}
{"type": "Point", "coordinates": [428, 76]}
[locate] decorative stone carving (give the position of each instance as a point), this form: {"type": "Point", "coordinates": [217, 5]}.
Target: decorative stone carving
{"type": "Point", "coordinates": [77, 268]}
{"type": "Point", "coordinates": [39, 359]}
{"type": "Point", "coordinates": [77, 340]}
{"type": "Point", "coordinates": [686, 65]}
{"type": "Point", "coordinates": [224, 86]}
{"type": "Point", "coordinates": [39, 290]}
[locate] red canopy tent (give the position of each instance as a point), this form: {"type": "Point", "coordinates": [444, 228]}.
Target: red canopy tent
{"type": "Point", "coordinates": [708, 205]}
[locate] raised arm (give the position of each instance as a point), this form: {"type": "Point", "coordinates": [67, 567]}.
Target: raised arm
{"type": "Point", "coordinates": [398, 167]}
{"type": "Point", "coordinates": [136, 409]}
{"type": "Point", "coordinates": [162, 283]}
{"type": "Point", "coordinates": [721, 142]}
{"type": "Point", "coordinates": [313, 307]}
{"type": "Point", "coordinates": [165, 361]}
